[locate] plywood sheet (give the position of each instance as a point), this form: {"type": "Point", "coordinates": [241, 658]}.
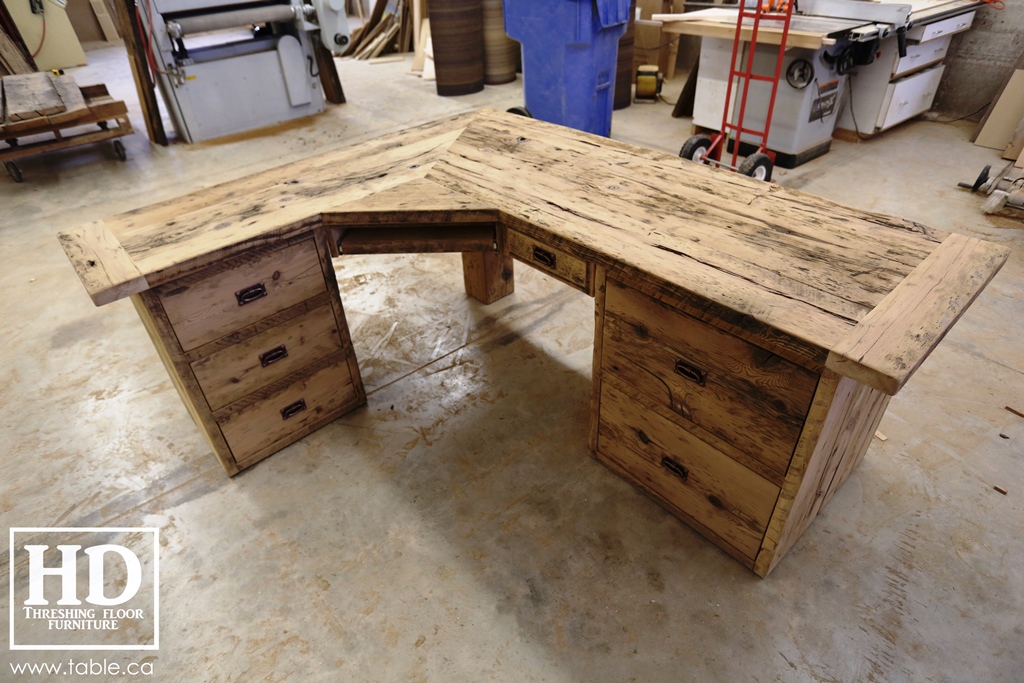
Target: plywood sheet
{"type": "Point", "coordinates": [61, 48]}
{"type": "Point", "coordinates": [11, 58]}
{"type": "Point", "coordinates": [1005, 115]}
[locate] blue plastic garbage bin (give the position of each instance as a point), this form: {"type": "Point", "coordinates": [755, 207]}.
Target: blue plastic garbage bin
{"type": "Point", "coordinates": [570, 48]}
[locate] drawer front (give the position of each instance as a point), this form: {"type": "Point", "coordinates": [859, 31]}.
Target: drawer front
{"type": "Point", "coordinates": [708, 487]}
{"type": "Point", "coordinates": [716, 383]}
{"type": "Point", "coordinates": [246, 289]}
{"type": "Point", "coordinates": [911, 96]}
{"type": "Point", "coordinates": [568, 269]}
{"type": "Point", "coordinates": [271, 420]}
{"type": "Point", "coordinates": [938, 29]}
{"type": "Point", "coordinates": [234, 372]}
{"type": "Point", "coordinates": [922, 55]}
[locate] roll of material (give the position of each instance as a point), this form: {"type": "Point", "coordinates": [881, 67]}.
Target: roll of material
{"type": "Point", "coordinates": [457, 33]}
{"type": "Point", "coordinates": [500, 51]}
{"type": "Point", "coordinates": [624, 71]}
{"type": "Point", "coordinates": [222, 20]}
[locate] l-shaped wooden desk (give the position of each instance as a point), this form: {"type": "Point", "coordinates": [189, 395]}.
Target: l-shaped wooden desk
{"type": "Point", "coordinates": [747, 338]}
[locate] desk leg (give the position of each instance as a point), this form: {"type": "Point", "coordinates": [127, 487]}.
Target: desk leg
{"type": "Point", "coordinates": [488, 275]}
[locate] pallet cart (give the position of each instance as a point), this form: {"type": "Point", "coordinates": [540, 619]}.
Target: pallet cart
{"type": "Point", "coordinates": [100, 110]}
{"type": "Point", "coordinates": [709, 150]}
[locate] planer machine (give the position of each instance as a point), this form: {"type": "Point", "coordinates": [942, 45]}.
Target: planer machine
{"type": "Point", "coordinates": [226, 67]}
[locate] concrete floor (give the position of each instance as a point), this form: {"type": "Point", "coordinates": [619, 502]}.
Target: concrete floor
{"type": "Point", "coordinates": [456, 529]}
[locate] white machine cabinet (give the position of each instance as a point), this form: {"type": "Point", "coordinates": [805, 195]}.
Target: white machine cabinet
{"type": "Point", "coordinates": [893, 89]}
{"type": "Point", "coordinates": [227, 66]}
{"type": "Point", "coordinates": [805, 110]}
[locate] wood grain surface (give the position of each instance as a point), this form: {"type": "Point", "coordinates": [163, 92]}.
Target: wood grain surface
{"type": "Point", "coordinates": [789, 272]}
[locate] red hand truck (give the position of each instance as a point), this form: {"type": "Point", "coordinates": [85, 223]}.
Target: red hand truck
{"type": "Point", "coordinates": [708, 150]}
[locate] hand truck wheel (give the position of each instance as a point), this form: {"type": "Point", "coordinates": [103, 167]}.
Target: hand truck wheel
{"type": "Point", "coordinates": [696, 148]}
{"type": "Point", "coordinates": [119, 150]}
{"type": "Point", "coordinates": [758, 165]}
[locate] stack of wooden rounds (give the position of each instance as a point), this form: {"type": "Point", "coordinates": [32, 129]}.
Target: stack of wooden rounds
{"type": "Point", "coordinates": [624, 72]}
{"type": "Point", "coordinates": [457, 32]}
{"type": "Point", "coordinates": [500, 51]}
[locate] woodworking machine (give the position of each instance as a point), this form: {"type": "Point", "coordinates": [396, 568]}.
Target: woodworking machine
{"type": "Point", "coordinates": [834, 38]}
{"type": "Point", "coordinates": [227, 67]}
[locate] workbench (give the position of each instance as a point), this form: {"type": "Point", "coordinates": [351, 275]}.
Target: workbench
{"type": "Point", "coordinates": [747, 339]}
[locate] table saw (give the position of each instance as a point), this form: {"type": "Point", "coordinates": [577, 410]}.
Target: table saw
{"type": "Point", "coordinates": [887, 54]}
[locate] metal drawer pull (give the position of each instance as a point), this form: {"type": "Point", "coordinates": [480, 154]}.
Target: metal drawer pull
{"type": "Point", "coordinates": [691, 372]}
{"type": "Point", "coordinates": [544, 257]}
{"type": "Point", "coordinates": [251, 293]}
{"type": "Point", "coordinates": [273, 355]}
{"type": "Point", "coordinates": [293, 409]}
{"type": "Point", "coordinates": [675, 468]}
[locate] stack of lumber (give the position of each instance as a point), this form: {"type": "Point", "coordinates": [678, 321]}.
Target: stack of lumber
{"type": "Point", "coordinates": [388, 30]}
{"type": "Point", "coordinates": [12, 57]}
{"type": "Point", "coordinates": [27, 97]}
{"type": "Point", "coordinates": [1003, 125]}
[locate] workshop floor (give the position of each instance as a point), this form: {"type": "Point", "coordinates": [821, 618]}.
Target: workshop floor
{"type": "Point", "coordinates": [456, 528]}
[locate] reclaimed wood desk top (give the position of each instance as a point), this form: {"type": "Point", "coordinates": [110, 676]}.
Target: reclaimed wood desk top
{"type": "Point", "coordinates": [824, 285]}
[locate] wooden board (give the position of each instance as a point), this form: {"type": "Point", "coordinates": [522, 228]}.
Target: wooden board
{"type": "Point", "coordinates": [29, 96]}
{"type": "Point", "coordinates": [12, 59]}
{"type": "Point", "coordinates": [1016, 146]}
{"type": "Point", "coordinates": [103, 265]}
{"type": "Point", "coordinates": [788, 272]}
{"type": "Point", "coordinates": [70, 96]}
{"type": "Point", "coordinates": [988, 112]}
{"type": "Point", "coordinates": [840, 425]}
{"type": "Point", "coordinates": [1005, 115]}
{"type": "Point", "coordinates": [805, 32]}
{"type": "Point", "coordinates": [756, 268]}
{"type": "Point", "coordinates": [889, 344]}
{"type": "Point", "coordinates": [127, 21]}
{"type": "Point", "coordinates": [147, 305]}
{"type": "Point", "coordinates": [104, 20]}
{"type": "Point", "coordinates": [420, 56]}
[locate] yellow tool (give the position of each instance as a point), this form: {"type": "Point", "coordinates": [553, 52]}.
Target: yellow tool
{"type": "Point", "coordinates": [648, 83]}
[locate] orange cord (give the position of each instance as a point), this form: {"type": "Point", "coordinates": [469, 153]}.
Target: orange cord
{"type": "Point", "coordinates": [995, 4]}
{"type": "Point", "coordinates": [42, 39]}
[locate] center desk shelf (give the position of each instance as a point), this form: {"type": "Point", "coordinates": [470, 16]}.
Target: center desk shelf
{"type": "Point", "coordinates": [748, 337]}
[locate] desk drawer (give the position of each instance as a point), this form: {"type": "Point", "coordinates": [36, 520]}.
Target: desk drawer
{"type": "Point", "coordinates": [719, 386]}
{"type": "Point", "coordinates": [705, 486]}
{"type": "Point", "coordinates": [909, 97]}
{"type": "Point", "coordinates": [240, 291]}
{"type": "Point", "coordinates": [272, 417]}
{"type": "Point", "coordinates": [924, 33]}
{"type": "Point", "coordinates": [922, 55]}
{"type": "Point", "coordinates": [558, 264]}
{"type": "Point", "coordinates": [238, 370]}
